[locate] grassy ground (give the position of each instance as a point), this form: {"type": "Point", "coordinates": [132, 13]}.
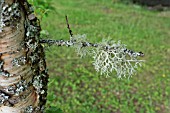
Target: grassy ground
{"type": "Point", "coordinates": [75, 87]}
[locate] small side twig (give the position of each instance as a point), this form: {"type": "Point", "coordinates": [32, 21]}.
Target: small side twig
{"type": "Point", "coordinates": [68, 26]}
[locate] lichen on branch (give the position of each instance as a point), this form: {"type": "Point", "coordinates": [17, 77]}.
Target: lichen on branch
{"type": "Point", "coordinates": [108, 56]}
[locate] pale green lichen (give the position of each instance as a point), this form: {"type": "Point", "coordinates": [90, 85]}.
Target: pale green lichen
{"type": "Point", "coordinates": [109, 56]}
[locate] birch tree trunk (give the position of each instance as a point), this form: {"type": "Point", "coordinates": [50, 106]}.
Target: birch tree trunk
{"type": "Point", "coordinates": [23, 74]}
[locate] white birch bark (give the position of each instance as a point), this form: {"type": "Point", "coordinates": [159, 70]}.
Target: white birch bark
{"type": "Point", "coordinates": [23, 75]}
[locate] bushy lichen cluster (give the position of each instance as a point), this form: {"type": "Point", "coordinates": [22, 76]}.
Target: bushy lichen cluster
{"type": "Point", "coordinates": [109, 56]}
{"type": "Point", "coordinates": [79, 43]}
{"type": "Point", "coordinates": [115, 58]}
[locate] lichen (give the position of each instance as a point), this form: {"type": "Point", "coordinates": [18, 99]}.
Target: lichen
{"type": "Point", "coordinates": [20, 87]}
{"type": "Point", "coordinates": [2, 71]}
{"type": "Point", "coordinates": [19, 61]}
{"type": "Point", "coordinates": [29, 109]}
{"type": "Point", "coordinates": [3, 97]}
{"type": "Point", "coordinates": [17, 88]}
{"type": "Point", "coordinates": [37, 83]}
{"type": "Point", "coordinates": [10, 15]}
{"type": "Point", "coordinates": [1, 20]}
{"type": "Point", "coordinates": [109, 56]}
{"type": "Point", "coordinates": [115, 57]}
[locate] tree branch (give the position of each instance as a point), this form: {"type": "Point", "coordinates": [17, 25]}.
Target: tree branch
{"type": "Point", "coordinates": [108, 55]}
{"type": "Point", "coordinates": [68, 26]}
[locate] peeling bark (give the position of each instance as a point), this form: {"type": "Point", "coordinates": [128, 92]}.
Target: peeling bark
{"type": "Point", "coordinates": [23, 73]}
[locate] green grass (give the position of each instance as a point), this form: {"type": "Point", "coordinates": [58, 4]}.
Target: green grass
{"type": "Point", "coordinates": [75, 87]}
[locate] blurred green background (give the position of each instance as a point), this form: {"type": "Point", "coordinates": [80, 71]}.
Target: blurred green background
{"type": "Point", "coordinates": [75, 87]}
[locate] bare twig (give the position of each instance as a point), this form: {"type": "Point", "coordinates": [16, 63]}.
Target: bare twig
{"type": "Point", "coordinates": [68, 26]}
